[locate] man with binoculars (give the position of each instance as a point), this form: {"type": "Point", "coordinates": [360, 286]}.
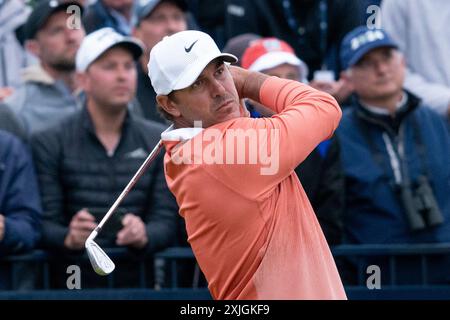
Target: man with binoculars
{"type": "Point", "coordinates": [396, 156]}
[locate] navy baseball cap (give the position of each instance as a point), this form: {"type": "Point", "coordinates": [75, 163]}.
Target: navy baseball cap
{"type": "Point", "coordinates": [42, 12]}
{"type": "Point", "coordinates": [360, 41]}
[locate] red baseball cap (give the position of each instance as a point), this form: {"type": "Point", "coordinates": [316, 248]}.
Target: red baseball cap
{"type": "Point", "coordinates": [267, 53]}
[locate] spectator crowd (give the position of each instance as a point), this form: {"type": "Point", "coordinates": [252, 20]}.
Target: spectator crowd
{"type": "Point", "coordinates": [79, 115]}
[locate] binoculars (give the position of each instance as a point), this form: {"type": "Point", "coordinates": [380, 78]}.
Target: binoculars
{"type": "Point", "coordinates": [420, 205]}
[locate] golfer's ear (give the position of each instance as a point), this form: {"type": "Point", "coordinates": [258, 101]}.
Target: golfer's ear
{"type": "Point", "coordinates": [168, 105]}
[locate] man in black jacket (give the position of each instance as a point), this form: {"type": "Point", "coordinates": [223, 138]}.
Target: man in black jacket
{"type": "Point", "coordinates": [84, 162]}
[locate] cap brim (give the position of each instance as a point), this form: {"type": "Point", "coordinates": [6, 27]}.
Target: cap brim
{"type": "Point", "coordinates": [274, 59]}
{"type": "Point", "coordinates": [133, 46]}
{"type": "Point", "coordinates": [379, 44]}
{"type": "Point", "coordinates": [193, 72]}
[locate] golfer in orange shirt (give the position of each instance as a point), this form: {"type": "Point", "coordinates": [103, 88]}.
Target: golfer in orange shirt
{"type": "Point", "coordinates": [249, 222]}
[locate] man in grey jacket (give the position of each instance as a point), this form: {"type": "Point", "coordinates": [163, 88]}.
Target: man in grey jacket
{"type": "Point", "coordinates": [420, 28]}
{"type": "Point", "coordinates": [48, 91]}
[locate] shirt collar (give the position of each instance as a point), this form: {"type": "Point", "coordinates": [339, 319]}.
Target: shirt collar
{"type": "Point", "coordinates": [173, 138]}
{"type": "Point", "coordinates": [180, 135]}
{"type": "Point", "coordinates": [383, 111]}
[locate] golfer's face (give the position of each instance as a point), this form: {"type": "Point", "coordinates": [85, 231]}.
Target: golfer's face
{"type": "Point", "coordinates": [212, 98]}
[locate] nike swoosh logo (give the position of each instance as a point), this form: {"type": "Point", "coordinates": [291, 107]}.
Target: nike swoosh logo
{"type": "Point", "coordinates": [188, 49]}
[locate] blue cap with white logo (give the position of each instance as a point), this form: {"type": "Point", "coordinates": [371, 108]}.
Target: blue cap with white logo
{"type": "Point", "coordinates": [360, 41]}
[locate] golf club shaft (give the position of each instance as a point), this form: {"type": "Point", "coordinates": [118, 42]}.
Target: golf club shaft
{"type": "Point", "coordinates": [130, 185]}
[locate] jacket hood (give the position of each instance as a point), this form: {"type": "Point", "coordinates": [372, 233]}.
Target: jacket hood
{"type": "Point", "coordinates": [36, 73]}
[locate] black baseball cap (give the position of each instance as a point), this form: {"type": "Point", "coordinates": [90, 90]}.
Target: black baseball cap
{"type": "Point", "coordinates": [43, 10]}
{"type": "Point", "coordinates": [146, 7]}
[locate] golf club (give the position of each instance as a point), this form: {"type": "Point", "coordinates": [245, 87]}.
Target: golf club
{"type": "Point", "coordinates": [100, 261]}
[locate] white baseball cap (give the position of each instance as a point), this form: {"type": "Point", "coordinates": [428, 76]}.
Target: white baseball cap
{"type": "Point", "coordinates": [268, 53]}
{"type": "Point", "coordinates": [177, 60]}
{"type": "Point", "coordinates": [97, 42]}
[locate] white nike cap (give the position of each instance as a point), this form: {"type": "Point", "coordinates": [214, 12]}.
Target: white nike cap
{"type": "Point", "coordinates": [100, 41]}
{"type": "Point", "coordinates": [177, 60]}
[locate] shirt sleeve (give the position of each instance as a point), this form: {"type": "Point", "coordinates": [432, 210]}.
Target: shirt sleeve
{"type": "Point", "coordinates": [305, 117]}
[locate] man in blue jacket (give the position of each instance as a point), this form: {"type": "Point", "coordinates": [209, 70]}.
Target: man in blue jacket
{"type": "Point", "coordinates": [395, 154]}
{"type": "Point", "coordinates": [20, 208]}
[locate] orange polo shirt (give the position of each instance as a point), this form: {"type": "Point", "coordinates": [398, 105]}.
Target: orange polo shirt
{"type": "Point", "coordinates": [254, 232]}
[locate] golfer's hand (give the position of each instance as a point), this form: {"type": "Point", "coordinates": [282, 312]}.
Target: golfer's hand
{"type": "Point", "coordinates": [2, 227]}
{"type": "Point", "coordinates": [80, 228]}
{"type": "Point", "coordinates": [247, 83]}
{"type": "Point", "coordinates": [340, 89]}
{"type": "Point", "coordinates": [133, 232]}
{"type": "Point", "coordinates": [239, 77]}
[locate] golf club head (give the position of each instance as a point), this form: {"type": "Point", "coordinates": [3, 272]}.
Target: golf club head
{"type": "Point", "coordinates": [100, 261]}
